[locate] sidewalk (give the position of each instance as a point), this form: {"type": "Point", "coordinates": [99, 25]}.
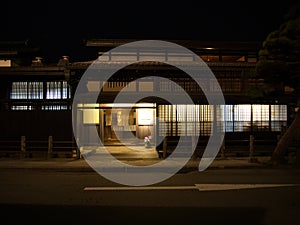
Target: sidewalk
{"type": "Point", "coordinates": [136, 156]}
{"type": "Point", "coordinates": [81, 165]}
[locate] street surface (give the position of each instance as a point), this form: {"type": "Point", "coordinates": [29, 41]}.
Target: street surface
{"type": "Point", "coordinates": [53, 197]}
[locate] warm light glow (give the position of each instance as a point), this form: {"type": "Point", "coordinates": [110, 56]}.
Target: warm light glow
{"type": "Point", "coordinates": [260, 113]}
{"type": "Point", "coordinates": [127, 105]}
{"type": "Point", "coordinates": [88, 105]}
{"type": "Point", "coordinates": [5, 63]}
{"type": "Point", "coordinates": [145, 116]}
{"type": "Point", "coordinates": [91, 116]}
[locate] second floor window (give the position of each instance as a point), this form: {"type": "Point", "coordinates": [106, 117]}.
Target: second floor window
{"type": "Point", "coordinates": [58, 90]}
{"type": "Point", "coordinates": [40, 90]}
{"type": "Point", "coordinates": [27, 90]}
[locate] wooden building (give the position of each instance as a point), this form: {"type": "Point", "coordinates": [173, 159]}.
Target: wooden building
{"type": "Point", "coordinates": [36, 98]}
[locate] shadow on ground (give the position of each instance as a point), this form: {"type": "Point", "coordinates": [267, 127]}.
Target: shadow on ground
{"type": "Point", "coordinates": [45, 214]}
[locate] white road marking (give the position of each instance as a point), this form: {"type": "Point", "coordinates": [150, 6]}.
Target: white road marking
{"type": "Point", "coordinates": [200, 187]}
{"type": "Point", "coordinates": [223, 187]}
{"type": "Point", "coordinates": [143, 188]}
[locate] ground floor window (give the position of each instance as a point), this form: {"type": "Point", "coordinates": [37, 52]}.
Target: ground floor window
{"type": "Point", "coordinates": [185, 120]}
{"type": "Point", "coordinates": [242, 117]}
{"type": "Point", "coordinates": [278, 117]}
{"type": "Point", "coordinates": [132, 122]}
{"type": "Point", "coordinates": [189, 120]}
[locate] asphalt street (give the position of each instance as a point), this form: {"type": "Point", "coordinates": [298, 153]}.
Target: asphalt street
{"type": "Point", "coordinates": [52, 197]}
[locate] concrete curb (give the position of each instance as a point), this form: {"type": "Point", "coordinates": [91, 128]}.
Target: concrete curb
{"type": "Point", "coordinates": [80, 165]}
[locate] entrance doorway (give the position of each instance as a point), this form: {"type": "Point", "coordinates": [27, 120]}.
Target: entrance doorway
{"type": "Point", "coordinates": [127, 124]}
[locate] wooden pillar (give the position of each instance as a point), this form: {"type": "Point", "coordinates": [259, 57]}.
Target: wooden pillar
{"type": "Point", "coordinates": [251, 146]}
{"type": "Point", "coordinates": [50, 146]}
{"type": "Point", "coordinates": [194, 145]}
{"type": "Point", "coordinates": [223, 156]}
{"type": "Point", "coordinates": [252, 159]}
{"type": "Point", "coordinates": [23, 144]}
{"type": "Point", "coordinates": [165, 148]}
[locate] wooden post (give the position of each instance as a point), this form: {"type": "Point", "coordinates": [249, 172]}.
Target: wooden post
{"type": "Point", "coordinates": [165, 148]}
{"type": "Point", "coordinates": [78, 153]}
{"type": "Point", "coordinates": [194, 145]}
{"type": "Point", "coordinates": [223, 156]}
{"type": "Point", "coordinates": [23, 144]}
{"type": "Point", "coordinates": [251, 150]}
{"type": "Point", "coordinates": [50, 146]}
{"type": "Point", "coordinates": [251, 146]}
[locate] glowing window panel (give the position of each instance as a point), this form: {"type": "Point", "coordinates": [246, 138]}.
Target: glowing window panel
{"type": "Point", "coordinates": [242, 117]}
{"type": "Point", "coordinates": [260, 117]}
{"type": "Point", "coordinates": [278, 117]}
{"type": "Point", "coordinates": [27, 90]}
{"type": "Point", "coordinates": [58, 90]}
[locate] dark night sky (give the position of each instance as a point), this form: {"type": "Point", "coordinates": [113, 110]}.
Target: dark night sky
{"type": "Point", "coordinates": [60, 28]}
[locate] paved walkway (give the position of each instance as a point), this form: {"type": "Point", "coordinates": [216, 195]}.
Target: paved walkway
{"type": "Point", "coordinates": [70, 164]}
{"type": "Point", "coordinates": [137, 156]}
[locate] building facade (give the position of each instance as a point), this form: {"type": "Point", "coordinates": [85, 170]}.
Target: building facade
{"type": "Point", "coordinates": [37, 98]}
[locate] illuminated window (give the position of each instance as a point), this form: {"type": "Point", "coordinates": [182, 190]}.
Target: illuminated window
{"type": "Point", "coordinates": [278, 117]}
{"type": "Point", "coordinates": [27, 90]}
{"type": "Point", "coordinates": [206, 118]}
{"type": "Point", "coordinates": [227, 117]}
{"type": "Point", "coordinates": [19, 90]}
{"type": "Point", "coordinates": [91, 116]}
{"type": "Point", "coordinates": [185, 120]}
{"type": "Point", "coordinates": [35, 90]}
{"type": "Point", "coordinates": [66, 92]}
{"type": "Point", "coordinates": [54, 107]}
{"type": "Point", "coordinates": [181, 119]}
{"type": "Point", "coordinates": [260, 117]}
{"type": "Point", "coordinates": [189, 120]}
{"type": "Point", "coordinates": [145, 116]}
{"type": "Point", "coordinates": [58, 90]}
{"type": "Point", "coordinates": [242, 117]}
{"type": "Point", "coordinates": [167, 119]}
{"type": "Point", "coordinates": [21, 107]}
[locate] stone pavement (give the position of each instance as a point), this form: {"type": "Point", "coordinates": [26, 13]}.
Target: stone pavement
{"type": "Point", "coordinates": [137, 156]}
{"type": "Point", "coordinates": [81, 165]}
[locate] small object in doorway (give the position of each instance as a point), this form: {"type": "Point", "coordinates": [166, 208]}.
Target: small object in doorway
{"type": "Point", "coordinates": [147, 141]}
